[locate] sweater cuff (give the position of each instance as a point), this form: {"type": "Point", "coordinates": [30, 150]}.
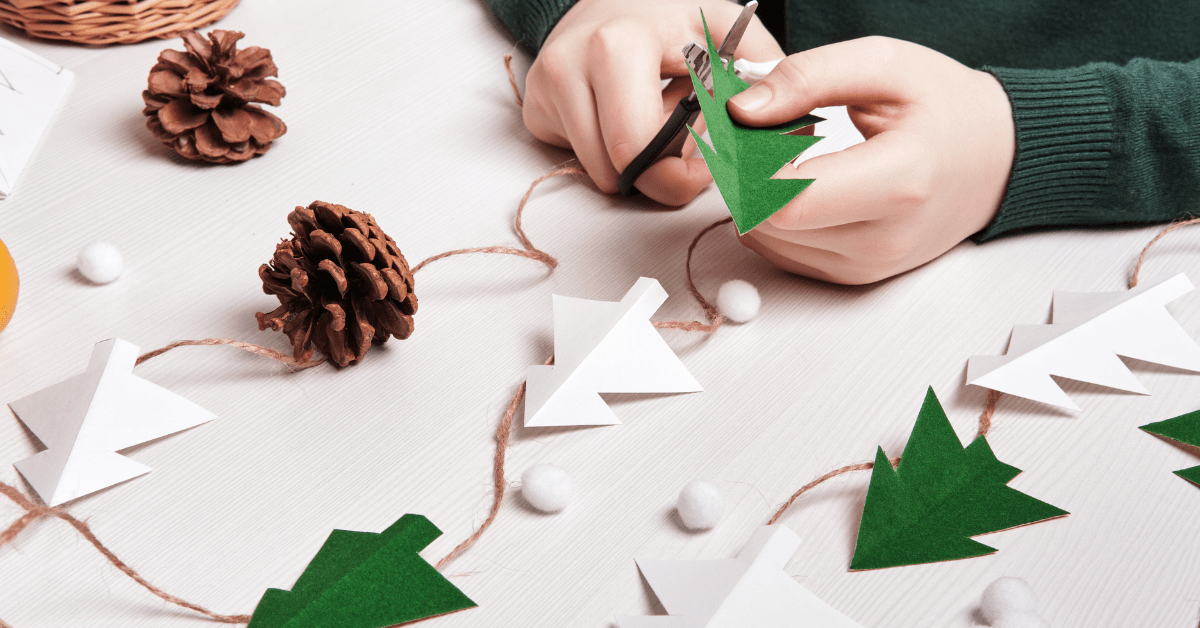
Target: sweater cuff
{"type": "Point", "coordinates": [530, 21]}
{"type": "Point", "coordinates": [1065, 142]}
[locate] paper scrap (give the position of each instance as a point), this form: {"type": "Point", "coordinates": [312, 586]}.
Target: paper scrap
{"type": "Point", "coordinates": [926, 509]}
{"type": "Point", "coordinates": [365, 580]}
{"type": "Point", "coordinates": [603, 347]}
{"type": "Point", "coordinates": [750, 591]}
{"type": "Point", "coordinates": [1087, 333]}
{"type": "Point", "coordinates": [1183, 429]}
{"type": "Point", "coordinates": [743, 160]}
{"type": "Point", "coordinates": [31, 89]}
{"type": "Point", "coordinates": [83, 421]}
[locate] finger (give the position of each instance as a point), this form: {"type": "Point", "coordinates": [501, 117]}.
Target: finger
{"type": "Point", "coordinates": [795, 258]}
{"type": "Point", "coordinates": [758, 44]}
{"type": "Point", "coordinates": [628, 89]}
{"type": "Point", "coordinates": [583, 133]}
{"type": "Point", "coordinates": [859, 71]}
{"type": "Point", "coordinates": [858, 253]}
{"type": "Point", "coordinates": [674, 181]}
{"type": "Point", "coordinates": [867, 181]}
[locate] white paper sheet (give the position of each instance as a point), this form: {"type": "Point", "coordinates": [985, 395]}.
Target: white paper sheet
{"type": "Point", "coordinates": [750, 591]}
{"type": "Point", "coordinates": [85, 420]}
{"type": "Point", "coordinates": [1087, 333]}
{"type": "Point", "coordinates": [603, 347]}
{"type": "Point", "coordinates": [31, 89]}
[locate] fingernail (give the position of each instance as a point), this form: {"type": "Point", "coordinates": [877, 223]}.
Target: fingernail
{"type": "Point", "coordinates": [754, 98]}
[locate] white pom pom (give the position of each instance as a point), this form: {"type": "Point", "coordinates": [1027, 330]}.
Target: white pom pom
{"type": "Point", "coordinates": [546, 487]}
{"type": "Point", "coordinates": [700, 505]}
{"type": "Point", "coordinates": [738, 300]}
{"type": "Point", "coordinates": [1007, 596]}
{"type": "Point", "coordinates": [100, 262]}
{"type": "Point", "coordinates": [1020, 619]}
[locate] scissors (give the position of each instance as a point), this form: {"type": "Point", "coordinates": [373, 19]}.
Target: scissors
{"type": "Point", "coordinates": [670, 138]}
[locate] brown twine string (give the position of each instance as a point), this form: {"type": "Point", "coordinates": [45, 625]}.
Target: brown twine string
{"type": "Point", "coordinates": [993, 397]}
{"type": "Point", "coordinates": [35, 511]}
{"type": "Point", "coordinates": [1133, 278]}
{"type": "Point", "coordinates": [985, 426]}
{"type": "Point", "coordinates": [504, 430]}
{"type": "Point", "coordinates": [255, 349]}
{"type": "Point", "coordinates": [503, 434]}
{"type": "Point", "coordinates": [714, 316]}
{"type": "Point", "coordinates": [531, 251]}
{"type": "Point", "coordinates": [512, 80]}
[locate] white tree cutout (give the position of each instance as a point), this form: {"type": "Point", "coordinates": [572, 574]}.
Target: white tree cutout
{"type": "Point", "coordinates": [1086, 334]}
{"type": "Point", "coordinates": [85, 420]}
{"type": "Point", "coordinates": [603, 347]}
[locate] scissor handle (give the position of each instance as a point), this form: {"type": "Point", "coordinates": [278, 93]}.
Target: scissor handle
{"type": "Point", "coordinates": [668, 143]}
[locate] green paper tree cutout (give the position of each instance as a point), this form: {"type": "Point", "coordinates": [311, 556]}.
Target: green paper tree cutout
{"type": "Point", "coordinates": [941, 494]}
{"type": "Point", "coordinates": [745, 158]}
{"type": "Point", "coordinates": [1182, 429]}
{"type": "Point", "coordinates": [365, 580]}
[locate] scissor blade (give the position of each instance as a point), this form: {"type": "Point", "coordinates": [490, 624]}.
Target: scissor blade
{"type": "Point", "coordinates": [697, 57]}
{"type": "Point", "coordinates": [735, 33]}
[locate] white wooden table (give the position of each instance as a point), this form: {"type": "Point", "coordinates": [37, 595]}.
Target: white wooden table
{"type": "Point", "coordinates": [402, 110]}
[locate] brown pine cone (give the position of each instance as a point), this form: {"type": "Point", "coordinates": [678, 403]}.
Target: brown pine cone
{"type": "Point", "coordinates": [198, 102]}
{"type": "Point", "coordinates": [342, 284]}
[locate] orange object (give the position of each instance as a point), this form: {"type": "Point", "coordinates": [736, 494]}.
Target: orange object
{"type": "Point", "coordinates": [9, 283]}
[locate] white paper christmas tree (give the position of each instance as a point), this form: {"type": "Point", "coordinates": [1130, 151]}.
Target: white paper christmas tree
{"type": "Point", "coordinates": [603, 347]}
{"type": "Point", "coordinates": [750, 591]}
{"type": "Point", "coordinates": [84, 420]}
{"type": "Point", "coordinates": [1087, 333]}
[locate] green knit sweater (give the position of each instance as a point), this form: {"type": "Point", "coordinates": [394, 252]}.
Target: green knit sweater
{"type": "Point", "coordinates": [1105, 93]}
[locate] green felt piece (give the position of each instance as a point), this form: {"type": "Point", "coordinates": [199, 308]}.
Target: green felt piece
{"type": "Point", "coordinates": [925, 510]}
{"type": "Point", "coordinates": [745, 158]}
{"type": "Point", "coordinates": [1182, 429]}
{"type": "Point", "coordinates": [365, 580]}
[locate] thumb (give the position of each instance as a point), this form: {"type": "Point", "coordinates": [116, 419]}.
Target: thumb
{"type": "Point", "coordinates": [855, 72]}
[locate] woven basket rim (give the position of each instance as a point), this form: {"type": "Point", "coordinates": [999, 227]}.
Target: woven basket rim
{"type": "Point", "coordinates": [99, 22]}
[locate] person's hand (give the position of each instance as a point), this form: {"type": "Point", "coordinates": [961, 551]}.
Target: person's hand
{"type": "Point", "coordinates": [933, 171]}
{"type": "Point", "coordinates": [596, 85]}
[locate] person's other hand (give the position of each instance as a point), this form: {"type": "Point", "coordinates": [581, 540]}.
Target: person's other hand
{"type": "Point", "coordinates": [596, 85]}
{"type": "Point", "coordinates": [933, 171]}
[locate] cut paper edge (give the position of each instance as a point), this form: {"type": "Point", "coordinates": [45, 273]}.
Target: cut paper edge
{"type": "Point", "coordinates": [610, 331]}
{"type": "Point", "coordinates": [1087, 333]}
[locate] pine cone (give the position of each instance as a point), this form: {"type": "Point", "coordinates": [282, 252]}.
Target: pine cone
{"type": "Point", "coordinates": [199, 101]}
{"type": "Point", "coordinates": [342, 284]}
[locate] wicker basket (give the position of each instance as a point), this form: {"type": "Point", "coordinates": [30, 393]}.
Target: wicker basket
{"type": "Point", "coordinates": [110, 21]}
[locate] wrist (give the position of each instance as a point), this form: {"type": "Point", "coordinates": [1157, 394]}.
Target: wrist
{"type": "Point", "coordinates": [1064, 140]}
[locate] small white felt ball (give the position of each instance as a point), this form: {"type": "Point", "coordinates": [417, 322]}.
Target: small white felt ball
{"type": "Point", "coordinates": [738, 300]}
{"type": "Point", "coordinates": [100, 262]}
{"type": "Point", "coordinates": [546, 487]}
{"type": "Point", "coordinates": [1020, 619]}
{"type": "Point", "coordinates": [1006, 596]}
{"type": "Point", "coordinates": [700, 505]}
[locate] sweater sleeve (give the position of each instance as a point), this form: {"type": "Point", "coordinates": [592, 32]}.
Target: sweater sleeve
{"type": "Point", "coordinates": [530, 21]}
{"type": "Point", "coordinates": [1102, 144]}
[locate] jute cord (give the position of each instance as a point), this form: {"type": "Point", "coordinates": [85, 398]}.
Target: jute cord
{"type": "Point", "coordinates": [36, 511]}
{"type": "Point", "coordinates": [512, 80]}
{"type": "Point", "coordinates": [993, 396]}
{"type": "Point", "coordinates": [503, 435]}
{"type": "Point", "coordinates": [1137, 269]}
{"type": "Point", "coordinates": [245, 346]}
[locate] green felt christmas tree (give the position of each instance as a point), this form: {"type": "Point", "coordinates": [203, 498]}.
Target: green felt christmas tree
{"type": "Point", "coordinates": [1182, 429]}
{"type": "Point", "coordinates": [941, 494]}
{"type": "Point", "coordinates": [743, 159]}
{"type": "Point", "coordinates": [365, 580]}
